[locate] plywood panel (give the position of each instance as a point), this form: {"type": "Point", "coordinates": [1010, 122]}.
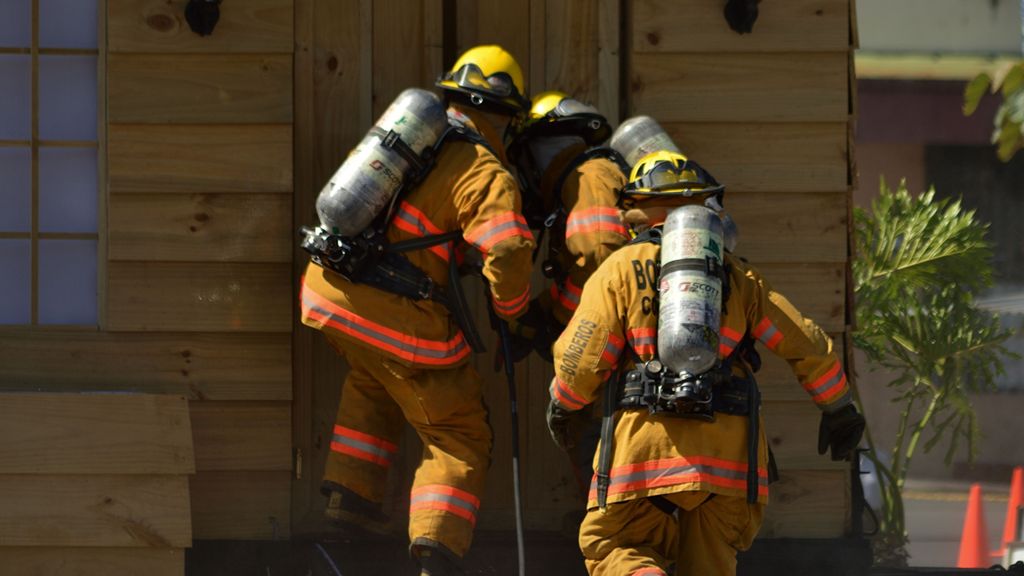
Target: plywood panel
{"type": "Point", "coordinates": [502, 22]}
{"type": "Point", "coordinates": [790, 227]}
{"type": "Point", "coordinates": [197, 366]}
{"type": "Point", "coordinates": [82, 510]}
{"type": "Point", "coordinates": [768, 157]}
{"type": "Point", "coordinates": [241, 505]}
{"type": "Point", "coordinates": [159, 26]}
{"type": "Point", "coordinates": [46, 561]}
{"type": "Point", "coordinates": [44, 433]}
{"type": "Point", "coordinates": [215, 89]}
{"type": "Point", "coordinates": [571, 48]}
{"type": "Point", "coordinates": [201, 227]}
{"type": "Point", "coordinates": [200, 297]}
{"type": "Point", "coordinates": [741, 87]}
{"type": "Point", "coordinates": [818, 291]}
{"type": "Point", "coordinates": [200, 158]}
{"type": "Point", "coordinates": [699, 26]}
{"type": "Point", "coordinates": [398, 44]}
{"type": "Point", "coordinates": [242, 436]}
{"type": "Point", "coordinates": [792, 429]}
{"type": "Point", "coordinates": [808, 504]}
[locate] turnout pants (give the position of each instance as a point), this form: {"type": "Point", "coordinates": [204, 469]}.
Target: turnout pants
{"type": "Point", "coordinates": [636, 538]}
{"type": "Point", "coordinates": [446, 409]}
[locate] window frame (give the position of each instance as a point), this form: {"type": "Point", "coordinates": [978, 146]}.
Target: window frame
{"type": "Point", "coordinates": [34, 144]}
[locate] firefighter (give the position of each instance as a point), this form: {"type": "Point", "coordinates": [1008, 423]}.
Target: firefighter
{"type": "Point", "coordinates": [682, 480]}
{"type": "Point", "coordinates": [571, 189]}
{"type": "Point", "coordinates": [408, 358]}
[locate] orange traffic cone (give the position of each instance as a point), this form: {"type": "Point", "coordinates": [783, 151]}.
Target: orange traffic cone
{"type": "Point", "coordinates": [1016, 501]}
{"type": "Point", "coordinates": [974, 540]}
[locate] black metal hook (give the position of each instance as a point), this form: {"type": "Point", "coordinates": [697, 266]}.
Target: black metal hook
{"type": "Point", "coordinates": [202, 15]}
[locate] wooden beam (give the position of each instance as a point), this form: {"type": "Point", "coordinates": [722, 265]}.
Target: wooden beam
{"type": "Point", "coordinates": [196, 366]}
{"type": "Point", "coordinates": [699, 26]}
{"type": "Point", "coordinates": [198, 89]}
{"type": "Point", "coordinates": [199, 297]}
{"type": "Point", "coordinates": [125, 511]}
{"type": "Point", "coordinates": [201, 227]}
{"type": "Point", "coordinates": [74, 434]}
{"type": "Point", "coordinates": [777, 381]}
{"type": "Point", "coordinates": [200, 158]}
{"type": "Point", "coordinates": [718, 87]}
{"type": "Point", "coordinates": [792, 429]}
{"type": "Point", "coordinates": [765, 157]}
{"type": "Point", "coordinates": [260, 26]}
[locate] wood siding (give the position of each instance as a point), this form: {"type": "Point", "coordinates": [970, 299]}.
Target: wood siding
{"type": "Point", "coordinates": [99, 481]}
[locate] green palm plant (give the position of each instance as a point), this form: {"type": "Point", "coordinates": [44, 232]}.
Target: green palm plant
{"type": "Point", "coordinates": [919, 263]}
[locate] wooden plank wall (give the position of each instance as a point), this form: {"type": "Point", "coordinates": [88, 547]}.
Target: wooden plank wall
{"type": "Point", "coordinates": [97, 482]}
{"type": "Point", "coordinates": [768, 114]}
{"type": "Point", "coordinates": [199, 298]}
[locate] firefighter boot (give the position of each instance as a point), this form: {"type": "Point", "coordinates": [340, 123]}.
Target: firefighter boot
{"type": "Point", "coordinates": [435, 559]}
{"type": "Point", "coordinates": [354, 515]}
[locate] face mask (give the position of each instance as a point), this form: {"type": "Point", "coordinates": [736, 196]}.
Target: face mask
{"type": "Point", "coordinates": [544, 150]}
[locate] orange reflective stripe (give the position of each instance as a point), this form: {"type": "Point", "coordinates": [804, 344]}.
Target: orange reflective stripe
{"type": "Point", "coordinates": [649, 572]}
{"type": "Point", "coordinates": [363, 446]}
{"type": "Point", "coordinates": [599, 219]}
{"type": "Point", "coordinates": [643, 340]}
{"type": "Point", "coordinates": [827, 386]}
{"type": "Point", "coordinates": [565, 396]}
{"type": "Point", "coordinates": [728, 340]}
{"type": "Point", "coordinates": [503, 226]}
{"type": "Point", "coordinates": [682, 470]}
{"type": "Point", "coordinates": [446, 499]}
{"type": "Point", "coordinates": [568, 295]}
{"type": "Point", "coordinates": [513, 306]}
{"type": "Point", "coordinates": [613, 349]}
{"type": "Point", "coordinates": [767, 333]}
{"type": "Point", "coordinates": [413, 349]}
{"type": "Point", "coordinates": [410, 219]}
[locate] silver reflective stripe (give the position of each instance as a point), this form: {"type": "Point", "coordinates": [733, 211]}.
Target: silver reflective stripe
{"type": "Point", "coordinates": [363, 446]}
{"type": "Point", "coordinates": [433, 497]}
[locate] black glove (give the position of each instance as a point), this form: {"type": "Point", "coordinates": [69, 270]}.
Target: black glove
{"type": "Point", "coordinates": [741, 15]}
{"type": "Point", "coordinates": [841, 430]}
{"type": "Point", "coordinates": [532, 332]}
{"type": "Point", "coordinates": [558, 420]}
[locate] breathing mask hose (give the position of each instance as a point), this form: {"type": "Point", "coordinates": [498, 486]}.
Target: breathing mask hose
{"type": "Point", "coordinates": [506, 349]}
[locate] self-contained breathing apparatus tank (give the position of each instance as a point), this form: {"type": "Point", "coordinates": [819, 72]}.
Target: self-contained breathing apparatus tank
{"type": "Point", "coordinates": [690, 290]}
{"type": "Point", "coordinates": [638, 136]}
{"type": "Point", "coordinates": [376, 169]}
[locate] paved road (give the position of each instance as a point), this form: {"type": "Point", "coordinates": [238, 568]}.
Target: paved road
{"type": "Point", "coordinates": [935, 519]}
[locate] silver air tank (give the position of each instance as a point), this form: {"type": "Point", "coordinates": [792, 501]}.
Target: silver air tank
{"type": "Point", "coordinates": [638, 136]}
{"type": "Point", "coordinates": [371, 175]}
{"type": "Point", "coordinates": [690, 297]}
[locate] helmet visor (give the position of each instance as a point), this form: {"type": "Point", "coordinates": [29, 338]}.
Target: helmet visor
{"type": "Point", "coordinates": [470, 77]}
{"type": "Point", "coordinates": [688, 180]}
{"type": "Point", "coordinates": [571, 107]}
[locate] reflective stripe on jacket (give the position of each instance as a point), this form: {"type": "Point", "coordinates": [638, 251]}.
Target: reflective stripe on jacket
{"type": "Point", "coordinates": [593, 229]}
{"type": "Point", "coordinates": [469, 190]}
{"type": "Point", "coordinates": [659, 454]}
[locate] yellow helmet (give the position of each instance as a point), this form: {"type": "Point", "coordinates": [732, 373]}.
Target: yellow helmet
{"type": "Point", "coordinates": [488, 74]}
{"type": "Point", "coordinates": [555, 113]}
{"type": "Point", "coordinates": [665, 173]}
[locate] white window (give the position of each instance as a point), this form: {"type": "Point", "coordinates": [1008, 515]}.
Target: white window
{"type": "Point", "coordinates": [50, 144]}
